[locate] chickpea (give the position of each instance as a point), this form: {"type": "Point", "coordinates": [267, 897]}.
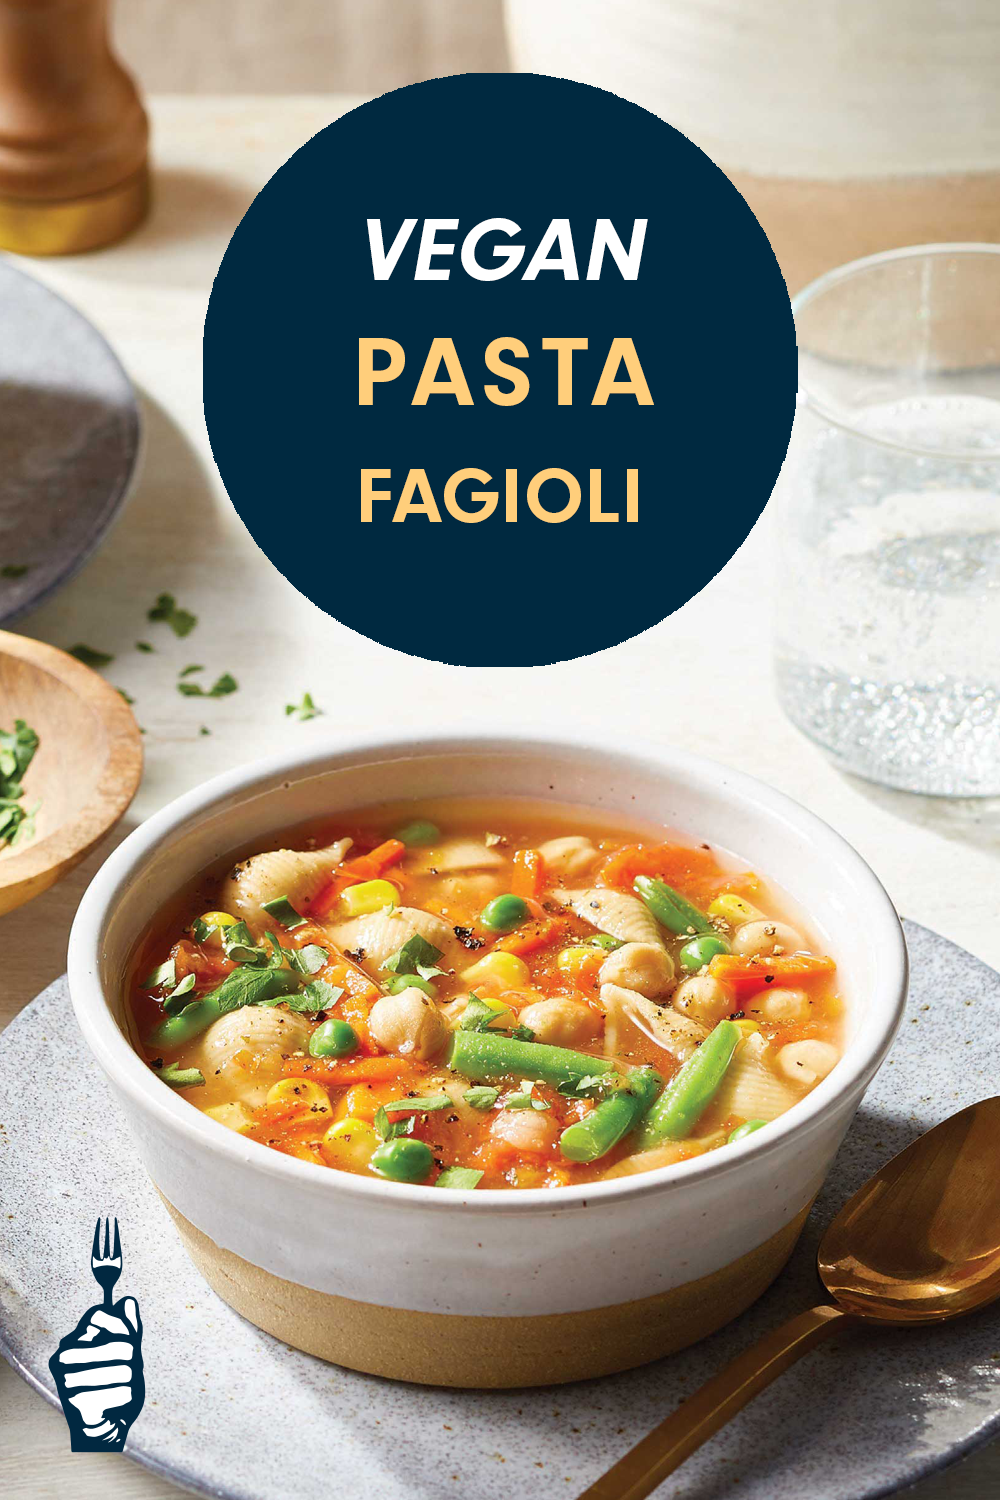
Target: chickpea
{"type": "Point", "coordinates": [766, 937]}
{"type": "Point", "coordinates": [525, 1129]}
{"type": "Point", "coordinates": [781, 1004]}
{"type": "Point", "coordinates": [805, 1063]}
{"type": "Point", "coordinates": [703, 998]}
{"type": "Point", "coordinates": [564, 1023]}
{"type": "Point", "coordinates": [409, 1024]}
{"type": "Point", "coordinates": [643, 967]}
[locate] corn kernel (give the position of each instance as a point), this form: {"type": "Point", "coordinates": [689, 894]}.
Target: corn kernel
{"type": "Point", "coordinates": [301, 1093]}
{"type": "Point", "coordinates": [369, 896]}
{"type": "Point", "coordinates": [580, 963]}
{"type": "Point", "coordinates": [233, 1116]}
{"type": "Point", "coordinates": [502, 971]}
{"type": "Point", "coordinates": [734, 909]}
{"type": "Point", "coordinates": [747, 1026]}
{"type": "Point", "coordinates": [349, 1144]}
{"type": "Point", "coordinates": [217, 919]}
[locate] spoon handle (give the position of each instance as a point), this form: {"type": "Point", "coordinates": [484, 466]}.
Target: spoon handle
{"type": "Point", "coordinates": [696, 1419]}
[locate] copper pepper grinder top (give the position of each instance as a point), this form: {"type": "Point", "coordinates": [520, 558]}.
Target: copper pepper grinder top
{"type": "Point", "coordinates": [73, 132]}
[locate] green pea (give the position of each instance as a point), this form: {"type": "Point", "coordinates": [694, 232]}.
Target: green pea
{"type": "Point", "coordinates": [417, 833]}
{"type": "Point", "coordinates": [178, 1030]}
{"type": "Point", "coordinates": [697, 952]}
{"type": "Point", "coordinates": [408, 982]}
{"type": "Point", "coordinates": [504, 913]}
{"type": "Point", "coordinates": [333, 1038]}
{"type": "Point", "coordinates": [742, 1131]}
{"type": "Point", "coordinates": [403, 1159]}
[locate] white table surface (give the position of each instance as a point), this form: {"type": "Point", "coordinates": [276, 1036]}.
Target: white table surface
{"type": "Point", "coordinates": [701, 679]}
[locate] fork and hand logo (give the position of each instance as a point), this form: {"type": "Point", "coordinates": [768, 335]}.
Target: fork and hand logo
{"type": "Point", "coordinates": [98, 1367]}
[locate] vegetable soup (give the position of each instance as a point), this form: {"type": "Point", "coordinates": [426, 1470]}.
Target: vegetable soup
{"type": "Point", "coordinates": [489, 994]}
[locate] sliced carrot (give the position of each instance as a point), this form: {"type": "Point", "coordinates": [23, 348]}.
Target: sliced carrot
{"type": "Point", "coordinates": [748, 975]}
{"type": "Point", "coordinates": [207, 968]}
{"type": "Point", "coordinates": [536, 935]}
{"type": "Point", "coordinates": [686, 868]}
{"type": "Point", "coordinates": [370, 866]}
{"type": "Point", "coordinates": [529, 873]}
{"type": "Point", "coordinates": [329, 1070]}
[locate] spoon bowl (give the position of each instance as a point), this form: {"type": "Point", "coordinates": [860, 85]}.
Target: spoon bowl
{"type": "Point", "coordinates": [919, 1243]}
{"type": "Point", "coordinates": [85, 771]}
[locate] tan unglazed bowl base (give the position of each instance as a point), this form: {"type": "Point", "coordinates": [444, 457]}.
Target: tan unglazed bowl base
{"type": "Point", "coordinates": [815, 225]}
{"type": "Point", "coordinates": [444, 1349]}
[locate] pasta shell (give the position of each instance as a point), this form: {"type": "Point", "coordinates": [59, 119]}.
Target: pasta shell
{"type": "Point", "coordinates": [242, 1051]}
{"type": "Point", "coordinates": [615, 912]}
{"type": "Point", "coordinates": [380, 934]}
{"type": "Point", "coordinates": [677, 1034]}
{"type": "Point", "coordinates": [751, 1089]}
{"type": "Point", "coordinates": [455, 856]}
{"type": "Point", "coordinates": [299, 874]}
{"type": "Point", "coordinates": [568, 857]}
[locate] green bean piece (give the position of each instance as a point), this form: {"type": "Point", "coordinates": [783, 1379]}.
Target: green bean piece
{"type": "Point", "coordinates": [398, 982]}
{"type": "Point", "coordinates": [334, 1038]}
{"type": "Point", "coordinates": [691, 1090]}
{"type": "Point", "coordinates": [594, 1135]}
{"type": "Point", "coordinates": [418, 833]}
{"type": "Point", "coordinates": [177, 1031]}
{"type": "Point", "coordinates": [669, 907]}
{"type": "Point", "coordinates": [742, 1131]}
{"type": "Point", "coordinates": [504, 913]}
{"type": "Point", "coordinates": [484, 1055]}
{"type": "Point", "coordinates": [698, 951]}
{"type": "Point", "coordinates": [403, 1159]}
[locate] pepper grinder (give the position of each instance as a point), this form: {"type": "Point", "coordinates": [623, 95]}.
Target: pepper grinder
{"type": "Point", "coordinates": [73, 132]}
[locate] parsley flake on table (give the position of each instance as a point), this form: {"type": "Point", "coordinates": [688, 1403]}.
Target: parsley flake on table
{"type": "Point", "coordinates": [193, 667]}
{"type": "Point", "coordinates": [144, 646]}
{"type": "Point", "coordinates": [14, 570]}
{"type": "Point", "coordinates": [127, 696]}
{"type": "Point", "coordinates": [220, 688]}
{"type": "Point", "coordinates": [90, 656]}
{"type": "Point", "coordinates": [307, 709]}
{"type": "Point", "coordinates": [181, 621]}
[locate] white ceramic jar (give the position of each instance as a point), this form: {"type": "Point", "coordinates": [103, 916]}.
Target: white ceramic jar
{"type": "Point", "coordinates": [850, 126]}
{"type": "Point", "coordinates": [557, 1283]}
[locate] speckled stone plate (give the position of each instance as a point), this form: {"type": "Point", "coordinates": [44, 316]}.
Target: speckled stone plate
{"type": "Point", "coordinates": [69, 440]}
{"type": "Point", "coordinates": [230, 1412]}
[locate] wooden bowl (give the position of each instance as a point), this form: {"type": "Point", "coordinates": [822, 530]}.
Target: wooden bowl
{"type": "Point", "coordinates": [84, 772]}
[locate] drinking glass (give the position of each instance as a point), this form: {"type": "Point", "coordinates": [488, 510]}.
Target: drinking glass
{"type": "Point", "coordinates": [888, 511]}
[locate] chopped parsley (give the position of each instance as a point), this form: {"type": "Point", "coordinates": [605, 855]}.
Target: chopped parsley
{"type": "Point", "coordinates": [417, 956]}
{"type": "Point", "coordinates": [182, 1078]}
{"type": "Point", "coordinates": [175, 1002]}
{"type": "Point", "coordinates": [307, 709]}
{"type": "Point", "coordinates": [144, 646]}
{"type": "Point", "coordinates": [481, 1097]}
{"type": "Point", "coordinates": [181, 621]}
{"type": "Point", "coordinates": [317, 995]}
{"type": "Point", "coordinates": [238, 944]}
{"type": "Point", "coordinates": [163, 974]}
{"type": "Point", "coordinates": [127, 696]}
{"type": "Point", "coordinates": [282, 910]}
{"type": "Point", "coordinates": [479, 1015]}
{"type": "Point", "coordinates": [17, 749]}
{"type": "Point", "coordinates": [459, 1177]}
{"type": "Point", "coordinates": [90, 656]}
{"type": "Point", "coordinates": [14, 570]}
{"type": "Point", "coordinates": [193, 667]}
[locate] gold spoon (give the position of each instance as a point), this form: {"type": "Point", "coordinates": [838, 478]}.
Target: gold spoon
{"type": "Point", "coordinates": [919, 1243]}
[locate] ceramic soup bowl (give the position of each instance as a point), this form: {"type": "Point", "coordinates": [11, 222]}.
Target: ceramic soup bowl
{"type": "Point", "coordinates": [489, 1288]}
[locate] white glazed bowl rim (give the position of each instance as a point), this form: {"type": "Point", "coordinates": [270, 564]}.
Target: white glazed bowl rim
{"type": "Point", "coordinates": [131, 1075]}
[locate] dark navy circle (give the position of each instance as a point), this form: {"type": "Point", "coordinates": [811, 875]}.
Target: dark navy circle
{"type": "Point", "coordinates": [703, 428]}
